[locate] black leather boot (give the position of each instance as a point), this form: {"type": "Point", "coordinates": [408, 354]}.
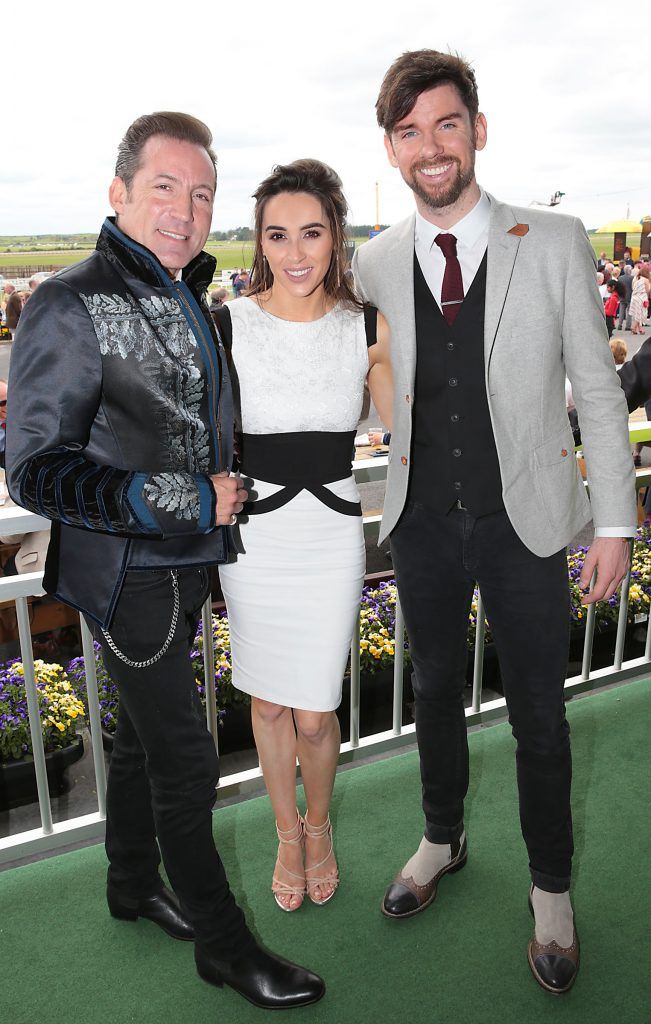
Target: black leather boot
{"type": "Point", "coordinates": [162, 908]}
{"type": "Point", "coordinates": [263, 978]}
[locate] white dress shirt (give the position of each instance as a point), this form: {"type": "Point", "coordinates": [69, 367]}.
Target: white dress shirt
{"type": "Point", "coordinates": [471, 233]}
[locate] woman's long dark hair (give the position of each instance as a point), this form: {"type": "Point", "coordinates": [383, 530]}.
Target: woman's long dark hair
{"type": "Point", "coordinates": [318, 180]}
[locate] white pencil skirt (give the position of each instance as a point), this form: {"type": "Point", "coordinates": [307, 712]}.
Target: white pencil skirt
{"type": "Point", "coordinates": [293, 597]}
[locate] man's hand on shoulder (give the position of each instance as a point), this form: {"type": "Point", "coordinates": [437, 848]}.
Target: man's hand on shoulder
{"type": "Point", "coordinates": [610, 557]}
{"type": "Point", "coordinates": [230, 497]}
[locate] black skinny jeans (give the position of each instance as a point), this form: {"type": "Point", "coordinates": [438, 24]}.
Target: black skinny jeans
{"type": "Point", "coordinates": [164, 766]}
{"type": "Point", "coordinates": [438, 559]}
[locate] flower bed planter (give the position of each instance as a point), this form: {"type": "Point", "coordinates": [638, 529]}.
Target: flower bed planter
{"type": "Point", "coordinates": [235, 730]}
{"type": "Point", "coordinates": [603, 644]}
{"type": "Point", "coordinates": [18, 778]}
{"type": "Point", "coordinates": [59, 712]}
{"type": "Point", "coordinates": [107, 741]}
{"type": "Point", "coordinates": [375, 702]}
{"type": "Point", "coordinates": [491, 678]}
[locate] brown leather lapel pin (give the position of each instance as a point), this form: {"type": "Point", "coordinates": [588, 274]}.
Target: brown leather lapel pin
{"type": "Point", "coordinates": [519, 229]}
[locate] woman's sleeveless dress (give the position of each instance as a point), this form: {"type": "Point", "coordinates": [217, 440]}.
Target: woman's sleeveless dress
{"type": "Point", "coordinates": [293, 594]}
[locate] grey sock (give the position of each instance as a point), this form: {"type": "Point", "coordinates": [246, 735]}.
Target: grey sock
{"type": "Point", "coordinates": [429, 859]}
{"type": "Point", "coordinates": [554, 917]}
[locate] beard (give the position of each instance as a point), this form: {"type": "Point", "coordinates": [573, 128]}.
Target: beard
{"type": "Point", "coordinates": [448, 194]}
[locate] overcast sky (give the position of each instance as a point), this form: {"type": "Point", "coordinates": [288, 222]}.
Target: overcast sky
{"type": "Point", "coordinates": [561, 84]}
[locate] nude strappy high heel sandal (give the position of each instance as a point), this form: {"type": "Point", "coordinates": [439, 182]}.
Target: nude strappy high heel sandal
{"type": "Point", "coordinates": [294, 836]}
{"type": "Point", "coordinates": [332, 877]}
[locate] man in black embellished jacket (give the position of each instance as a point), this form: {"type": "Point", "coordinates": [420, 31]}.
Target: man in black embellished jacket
{"type": "Point", "coordinates": [121, 433]}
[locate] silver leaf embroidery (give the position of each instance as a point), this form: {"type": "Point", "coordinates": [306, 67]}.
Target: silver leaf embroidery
{"type": "Point", "coordinates": [155, 331]}
{"type": "Point", "coordinates": [175, 492]}
{"type": "Point", "coordinates": [122, 329]}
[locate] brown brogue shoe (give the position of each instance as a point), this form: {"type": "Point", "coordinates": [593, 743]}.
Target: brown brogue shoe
{"type": "Point", "coordinates": [554, 967]}
{"type": "Point", "coordinates": [405, 897]}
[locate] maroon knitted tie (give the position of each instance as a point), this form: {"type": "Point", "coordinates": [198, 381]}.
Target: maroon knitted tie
{"type": "Point", "coordinates": [452, 289]}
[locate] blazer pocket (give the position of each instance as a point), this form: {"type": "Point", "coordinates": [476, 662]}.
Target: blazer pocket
{"type": "Point", "coordinates": [557, 451]}
{"type": "Point", "coordinates": [557, 478]}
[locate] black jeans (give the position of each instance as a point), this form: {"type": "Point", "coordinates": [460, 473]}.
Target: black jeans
{"type": "Point", "coordinates": [438, 559]}
{"type": "Point", "coordinates": [164, 766]}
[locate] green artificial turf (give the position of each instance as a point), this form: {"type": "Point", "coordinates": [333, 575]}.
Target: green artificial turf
{"type": "Point", "coordinates": [463, 961]}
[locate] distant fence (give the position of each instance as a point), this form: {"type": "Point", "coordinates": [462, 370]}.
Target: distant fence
{"type": "Point", "coordinates": [30, 271]}
{"type": "Point", "coordinates": [16, 274]}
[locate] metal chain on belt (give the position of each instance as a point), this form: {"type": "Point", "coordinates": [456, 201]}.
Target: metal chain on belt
{"type": "Point", "coordinates": [170, 636]}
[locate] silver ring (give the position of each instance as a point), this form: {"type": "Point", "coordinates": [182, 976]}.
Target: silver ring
{"type": "Point", "coordinates": [232, 520]}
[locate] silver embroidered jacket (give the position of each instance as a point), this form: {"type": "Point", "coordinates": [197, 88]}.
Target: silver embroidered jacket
{"type": "Point", "coordinates": [120, 409]}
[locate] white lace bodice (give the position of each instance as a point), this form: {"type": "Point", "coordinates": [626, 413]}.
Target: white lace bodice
{"type": "Point", "coordinates": [298, 376]}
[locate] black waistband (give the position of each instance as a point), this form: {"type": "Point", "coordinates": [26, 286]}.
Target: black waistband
{"type": "Point", "coordinates": [306, 460]}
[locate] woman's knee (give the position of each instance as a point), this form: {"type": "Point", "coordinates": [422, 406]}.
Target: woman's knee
{"type": "Point", "coordinates": [267, 712]}
{"type": "Point", "coordinates": [315, 726]}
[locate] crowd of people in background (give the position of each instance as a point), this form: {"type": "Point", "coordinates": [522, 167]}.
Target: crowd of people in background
{"type": "Point", "coordinates": [625, 287]}
{"type": "Point", "coordinates": [13, 301]}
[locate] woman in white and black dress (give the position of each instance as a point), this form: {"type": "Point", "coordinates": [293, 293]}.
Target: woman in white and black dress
{"type": "Point", "coordinates": [302, 349]}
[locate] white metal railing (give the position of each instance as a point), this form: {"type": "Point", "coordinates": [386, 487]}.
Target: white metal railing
{"type": "Point", "coordinates": [52, 835]}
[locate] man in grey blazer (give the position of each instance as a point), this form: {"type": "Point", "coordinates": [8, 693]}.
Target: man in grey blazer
{"type": "Point", "coordinates": [483, 484]}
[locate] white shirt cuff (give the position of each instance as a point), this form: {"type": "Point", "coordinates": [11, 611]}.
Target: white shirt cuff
{"type": "Point", "coordinates": [615, 531]}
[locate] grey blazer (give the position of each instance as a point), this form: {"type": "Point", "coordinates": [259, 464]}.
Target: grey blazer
{"type": "Point", "coordinates": [543, 320]}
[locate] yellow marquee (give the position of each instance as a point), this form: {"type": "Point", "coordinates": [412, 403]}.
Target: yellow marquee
{"type": "Point", "coordinates": [632, 226]}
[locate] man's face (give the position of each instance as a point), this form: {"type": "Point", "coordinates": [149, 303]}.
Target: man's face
{"type": "Point", "coordinates": [3, 401]}
{"type": "Point", "coordinates": [168, 208]}
{"type": "Point", "coordinates": [434, 147]}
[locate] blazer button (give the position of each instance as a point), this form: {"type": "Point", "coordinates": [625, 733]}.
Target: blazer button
{"type": "Point", "coordinates": [403, 459]}
{"type": "Point", "coordinates": [564, 452]}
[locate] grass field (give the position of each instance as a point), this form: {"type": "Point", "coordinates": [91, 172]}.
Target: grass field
{"type": "Point", "coordinates": [228, 254]}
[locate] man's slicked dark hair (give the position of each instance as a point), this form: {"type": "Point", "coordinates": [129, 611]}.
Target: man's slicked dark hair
{"type": "Point", "coordinates": [168, 123]}
{"type": "Point", "coordinates": [417, 71]}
